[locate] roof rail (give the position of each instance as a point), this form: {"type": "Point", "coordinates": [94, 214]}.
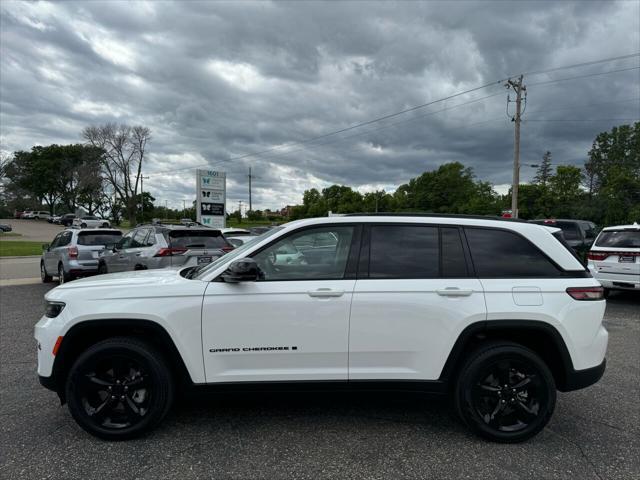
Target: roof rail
{"type": "Point", "coordinates": [436, 215]}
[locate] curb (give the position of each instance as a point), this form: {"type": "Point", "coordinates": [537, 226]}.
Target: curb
{"type": "Point", "coordinates": [20, 281]}
{"type": "Point", "coordinates": [21, 256]}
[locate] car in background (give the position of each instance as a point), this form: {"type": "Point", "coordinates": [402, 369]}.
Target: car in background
{"type": "Point", "coordinates": [40, 215]}
{"type": "Point", "coordinates": [54, 219]}
{"type": "Point", "coordinates": [27, 214]}
{"type": "Point", "coordinates": [235, 232]}
{"type": "Point", "coordinates": [259, 230]}
{"type": "Point", "coordinates": [5, 227]}
{"type": "Point", "coordinates": [164, 245]}
{"type": "Point", "coordinates": [90, 221]}
{"type": "Point", "coordinates": [614, 259]}
{"type": "Point", "coordinates": [17, 214]}
{"type": "Point", "coordinates": [241, 240]}
{"type": "Point", "coordinates": [66, 219]}
{"type": "Point", "coordinates": [74, 253]}
{"type": "Point", "coordinates": [579, 234]}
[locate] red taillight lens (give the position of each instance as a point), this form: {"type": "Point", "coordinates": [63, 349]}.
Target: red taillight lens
{"type": "Point", "coordinates": [72, 252]}
{"type": "Point", "coordinates": [586, 293]}
{"type": "Point", "coordinates": [227, 249]}
{"type": "Point", "coordinates": [597, 255]}
{"type": "Point", "coordinates": [168, 252]}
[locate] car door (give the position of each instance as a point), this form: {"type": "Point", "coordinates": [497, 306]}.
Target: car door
{"type": "Point", "coordinates": [50, 259]}
{"type": "Point", "coordinates": [136, 249]}
{"type": "Point", "coordinates": [118, 261]}
{"type": "Point", "coordinates": [414, 295]}
{"type": "Point", "coordinates": [292, 324]}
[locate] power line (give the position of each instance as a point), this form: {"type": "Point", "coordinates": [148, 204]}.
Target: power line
{"type": "Point", "coordinates": [546, 82]}
{"type": "Point", "coordinates": [584, 64]}
{"type": "Point", "coordinates": [401, 112]}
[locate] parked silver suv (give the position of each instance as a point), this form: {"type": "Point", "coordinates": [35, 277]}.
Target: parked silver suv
{"type": "Point", "coordinates": [163, 245]}
{"type": "Point", "coordinates": [74, 253]}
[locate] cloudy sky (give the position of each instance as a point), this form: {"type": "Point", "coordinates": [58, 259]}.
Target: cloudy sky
{"type": "Point", "coordinates": [216, 81]}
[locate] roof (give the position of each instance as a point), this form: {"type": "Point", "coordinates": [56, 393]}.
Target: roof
{"type": "Point", "coordinates": [635, 226]}
{"type": "Point", "coordinates": [436, 215]}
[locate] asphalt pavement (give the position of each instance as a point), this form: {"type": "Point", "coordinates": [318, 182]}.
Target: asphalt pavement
{"type": "Point", "coordinates": [594, 433]}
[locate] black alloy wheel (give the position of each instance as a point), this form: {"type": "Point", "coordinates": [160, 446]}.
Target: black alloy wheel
{"type": "Point", "coordinates": [119, 389]}
{"type": "Point", "coordinates": [506, 393]}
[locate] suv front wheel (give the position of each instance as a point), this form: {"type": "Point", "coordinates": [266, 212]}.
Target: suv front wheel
{"type": "Point", "coordinates": [119, 388]}
{"type": "Point", "coordinates": [505, 392]}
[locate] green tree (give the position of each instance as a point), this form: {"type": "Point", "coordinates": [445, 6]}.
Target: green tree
{"type": "Point", "coordinates": [613, 173]}
{"type": "Point", "coordinates": [545, 171]}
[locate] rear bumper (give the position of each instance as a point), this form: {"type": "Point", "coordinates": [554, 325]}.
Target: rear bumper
{"type": "Point", "coordinates": [621, 281]}
{"type": "Point", "coordinates": [577, 379]}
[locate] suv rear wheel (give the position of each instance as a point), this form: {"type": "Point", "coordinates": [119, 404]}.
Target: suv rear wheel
{"type": "Point", "coordinates": [119, 388]}
{"type": "Point", "coordinates": [505, 392]}
{"type": "Point", "coordinates": [62, 276]}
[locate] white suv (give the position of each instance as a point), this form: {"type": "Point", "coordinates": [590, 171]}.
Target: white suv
{"type": "Point", "coordinates": [614, 258]}
{"type": "Point", "coordinates": [498, 314]}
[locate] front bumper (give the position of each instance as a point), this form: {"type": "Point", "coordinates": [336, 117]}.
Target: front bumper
{"type": "Point", "coordinates": [577, 379]}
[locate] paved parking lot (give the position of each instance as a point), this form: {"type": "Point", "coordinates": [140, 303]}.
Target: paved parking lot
{"type": "Point", "coordinates": [594, 434]}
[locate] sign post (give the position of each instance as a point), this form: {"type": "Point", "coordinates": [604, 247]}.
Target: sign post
{"type": "Point", "coordinates": [211, 198]}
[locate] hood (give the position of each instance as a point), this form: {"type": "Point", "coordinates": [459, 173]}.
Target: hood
{"type": "Point", "coordinates": [126, 279]}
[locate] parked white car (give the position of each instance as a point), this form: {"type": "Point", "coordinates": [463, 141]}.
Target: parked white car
{"type": "Point", "coordinates": [497, 314]}
{"type": "Point", "coordinates": [614, 258]}
{"type": "Point", "coordinates": [90, 221]}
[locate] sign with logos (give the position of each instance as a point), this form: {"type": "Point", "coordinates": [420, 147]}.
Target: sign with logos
{"type": "Point", "coordinates": [211, 198]}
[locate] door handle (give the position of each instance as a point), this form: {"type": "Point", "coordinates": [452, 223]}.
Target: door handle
{"type": "Point", "coordinates": [453, 292]}
{"type": "Point", "coordinates": [325, 292]}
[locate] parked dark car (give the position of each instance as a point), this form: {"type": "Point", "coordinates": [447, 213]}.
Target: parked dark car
{"type": "Point", "coordinates": [579, 234]}
{"type": "Point", "coordinates": [4, 227]}
{"type": "Point", "coordinates": [67, 219]}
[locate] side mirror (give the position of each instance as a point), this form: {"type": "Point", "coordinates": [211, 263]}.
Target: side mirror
{"type": "Point", "coordinates": [242, 270]}
{"type": "Point", "coordinates": [45, 246]}
{"type": "Point", "coordinates": [110, 246]}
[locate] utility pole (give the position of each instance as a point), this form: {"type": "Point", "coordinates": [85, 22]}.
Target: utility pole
{"type": "Point", "coordinates": [518, 88]}
{"type": "Point", "coordinates": [142, 179]}
{"type": "Point", "coordinates": [251, 177]}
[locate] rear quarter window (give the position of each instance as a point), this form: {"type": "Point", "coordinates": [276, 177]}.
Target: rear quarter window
{"type": "Point", "coordinates": [500, 253]}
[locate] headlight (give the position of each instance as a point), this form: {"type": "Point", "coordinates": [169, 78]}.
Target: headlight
{"type": "Point", "coordinates": [54, 309]}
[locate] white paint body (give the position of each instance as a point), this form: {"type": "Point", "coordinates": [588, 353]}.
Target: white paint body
{"type": "Point", "coordinates": [342, 329]}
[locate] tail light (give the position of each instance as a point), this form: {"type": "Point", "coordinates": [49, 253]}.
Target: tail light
{"type": "Point", "coordinates": [227, 249]}
{"type": "Point", "coordinates": [586, 293]}
{"type": "Point", "coordinates": [72, 252]}
{"type": "Point", "coordinates": [168, 252]}
{"type": "Point", "coordinates": [597, 255]}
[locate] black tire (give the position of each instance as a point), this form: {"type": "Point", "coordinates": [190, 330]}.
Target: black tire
{"type": "Point", "coordinates": [62, 276]}
{"type": "Point", "coordinates": [105, 225]}
{"type": "Point", "coordinates": [508, 414]}
{"type": "Point", "coordinates": [46, 278]}
{"type": "Point", "coordinates": [102, 268]}
{"type": "Point", "coordinates": [606, 292]}
{"type": "Point", "coordinates": [83, 225]}
{"type": "Point", "coordinates": [105, 406]}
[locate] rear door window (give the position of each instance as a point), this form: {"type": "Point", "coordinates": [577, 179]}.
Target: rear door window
{"type": "Point", "coordinates": [453, 261]}
{"type": "Point", "coordinates": [196, 239]}
{"type": "Point", "coordinates": [98, 238]}
{"type": "Point", "coordinates": [569, 230]}
{"type": "Point", "coordinates": [404, 251]}
{"type": "Point", "coordinates": [619, 239]}
{"type": "Point", "coordinates": [499, 254]}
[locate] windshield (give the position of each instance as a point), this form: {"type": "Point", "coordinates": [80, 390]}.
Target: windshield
{"type": "Point", "coordinates": [619, 239]}
{"type": "Point", "coordinates": [237, 253]}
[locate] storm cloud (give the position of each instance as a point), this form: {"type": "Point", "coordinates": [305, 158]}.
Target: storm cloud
{"type": "Point", "coordinates": [216, 81]}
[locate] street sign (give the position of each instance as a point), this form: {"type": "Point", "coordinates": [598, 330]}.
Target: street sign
{"type": "Point", "coordinates": [211, 188]}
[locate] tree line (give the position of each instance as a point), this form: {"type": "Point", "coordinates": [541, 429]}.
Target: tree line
{"type": "Point", "coordinates": [606, 190]}
{"type": "Point", "coordinates": [103, 176]}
